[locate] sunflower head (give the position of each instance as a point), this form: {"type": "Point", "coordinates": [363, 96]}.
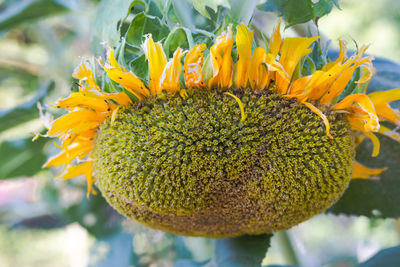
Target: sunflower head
{"type": "Point", "coordinates": [257, 146]}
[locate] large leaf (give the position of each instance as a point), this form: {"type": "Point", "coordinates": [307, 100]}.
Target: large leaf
{"type": "Point", "coordinates": [377, 198]}
{"type": "Point", "coordinates": [21, 157]}
{"type": "Point", "coordinates": [143, 24]}
{"type": "Point", "coordinates": [28, 10]}
{"type": "Point", "coordinates": [24, 112]}
{"type": "Point", "coordinates": [299, 11]}
{"type": "Point", "coordinates": [243, 251]}
{"type": "Point", "coordinates": [389, 257]}
{"type": "Point", "coordinates": [110, 14]}
{"type": "Point", "coordinates": [202, 5]}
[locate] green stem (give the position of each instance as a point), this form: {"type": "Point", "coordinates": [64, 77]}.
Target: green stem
{"type": "Point", "coordinates": [287, 247]}
{"type": "Point", "coordinates": [398, 227]}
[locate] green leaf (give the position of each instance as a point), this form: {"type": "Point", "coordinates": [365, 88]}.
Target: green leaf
{"type": "Point", "coordinates": [299, 11]}
{"type": "Point", "coordinates": [377, 198]}
{"type": "Point", "coordinates": [388, 257]}
{"type": "Point", "coordinates": [24, 112]}
{"type": "Point", "coordinates": [241, 251]}
{"type": "Point", "coordinates": [140, 66]}
{"type": "Point", "coordinates": [200, 5]}
{"type": "Point", "coordinates": [143, 24]}
{"type": "Point", "coordinates": [293, 11]}
{"type": "Point", "coordinates": [21, 157]}
{"type": "Point", "coordinates": [29, 10]}
{"type": "Point", "coordinates": [183, 12]}
{"type": "Point", "coordinates": [110, 14]}
{"type": "Point", "coordinates": [242, 11]}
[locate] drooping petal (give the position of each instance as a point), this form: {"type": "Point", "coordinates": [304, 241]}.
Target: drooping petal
{"type": "Point", "coordinates": [169, 80]}
{"type": "Point", "coordinates": [192, 67]}
{"type": "Point", "coordinates": [157, 60]}
{"type": "Point", "coordinates": [276, 40]}
{"type": "Point", "coordinates": [363, 110]}
{"type": "Point", "coordinates": [293, 49]}
{"type": "Point", "coordinates": [67, 155]}
{"type": "Point", "coordinates": [221, 60]}
{"type": "Point", "coordinates": [73, 119]}
{"type": "Point", "coordinates": [244, 40]}
{"type": "Point", "coordinates": [84, 73]}
{"type": "Point", "coordinates": [86, 169]}
{"type": "Point", "coordinates": [383, 109]}
{"type": "Point", "coordinates": [389, 133]}
{"type": "Point", "coordinates": [375, 142]}
{"type": "Point", "coordinates": [338, 86]}
{"type": "Point", "coordinates": [125, 78]}
{"type": "Point", "coordinates": [258, 71]}
{"type": "Point", "coordinates": [362, 172]}
{"type": "Point", "coordinates": [367, 72]}
{"type": "Point", "coordinates": [321, 115]}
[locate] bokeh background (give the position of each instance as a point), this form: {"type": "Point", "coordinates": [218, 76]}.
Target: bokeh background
{"type": "Point", "coordinates": [45, 221]}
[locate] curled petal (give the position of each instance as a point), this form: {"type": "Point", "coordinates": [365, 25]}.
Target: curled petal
{"type": "Point", "coordinates": [389, 133]}
{"type": "Point", "coordinates": [276, 40]}
{"type": "Point", "coordinates": [293, 49]}
{"type": "Point", "coordinates": [221, 60]}
{"type": "Point", "coordinates": [362, 172]}
{"type": "Point", "coordinates": [383, 109]}
{"type": "Point", "coordinates": [157, 60]}
{"type": "Point", "coordinates": [169, 80]}
{"type": "Point", "coordinates": [244, 40]}
{"type": "Point", "coordinates": [192, 67]}
{"type": "Point", "coordinates": [86, 169]}
{"type": "Point", "coordinates": [361, 109]}
{"type": "Point", "coordinates": [125, 78]}
{"type": "Point", "coordinates": [84, 73]}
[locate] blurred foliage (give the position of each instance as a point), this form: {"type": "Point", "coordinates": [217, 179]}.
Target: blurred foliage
{"type": "Point", "coordinates": [41, 44]}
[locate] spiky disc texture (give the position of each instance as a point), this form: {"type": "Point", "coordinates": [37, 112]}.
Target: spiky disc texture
{"type": "Point", "coordinates": [192, 167]}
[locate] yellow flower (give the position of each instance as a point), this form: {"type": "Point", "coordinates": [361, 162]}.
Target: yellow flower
{"type": "Point", "coordinates": [161, 139]}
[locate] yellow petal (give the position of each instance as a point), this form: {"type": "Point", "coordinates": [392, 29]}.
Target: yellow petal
{"type": "Point", "coordinates": [244, 41]}
{"type": "Point", "coordinates": [375, 142]}
{"type": "Point", "coordinates": [221, 60]}
{"type": "Point", "coordinates": [293, 49]}
{"type": "Point", "coordinates": [170, 78]}
{"type": "Point", "coordinates": [83, 72]}
{"type": "Point", "coordinates": [362, 172]}
{"type": "Point", "coordinates": [86, 169]}
{"type": "Point", "coordinates": [389, 133]}
{"type": "Point", "coordinates": [363, 106]}
{"type": "Point", "coordinates": [157, 60]}
{"type": "Point", "coordinates": [258, 71]}
{"type": "Point", "coordinates": [381, 102]}
{"type": "Point", "coordinates": [67, 155]}
{"type": "Point", "coordinates": [321, 115]}
{"type": "Point", "coordinates": [192, 67]}
{"type": "Point", "coordinates": [385, 96]}
{"type": "Point", "coordinates": [72, 119]}
{"type": "Point", "coordinates": [79, 99]}
{"type": "Point", "coordinates": [125, 78]}
{"type": "Point", "coordinates": [367, 72]}
{"type": "Point", "coordinates": [338, 86]}
{"type": "Point", "coordinates": [240, 103]}
{"type": "Point", "coordinates": [276, 40]}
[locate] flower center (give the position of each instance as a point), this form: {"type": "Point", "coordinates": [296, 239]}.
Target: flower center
{"type": "Point", "coordinates": [194, 166]}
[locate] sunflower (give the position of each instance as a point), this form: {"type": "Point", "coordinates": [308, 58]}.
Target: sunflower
{"type": "Point", "coordinates": [248, 145]}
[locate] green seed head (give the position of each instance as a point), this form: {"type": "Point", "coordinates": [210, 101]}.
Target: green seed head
{"type": "Point", "coordinates": [193, 167]}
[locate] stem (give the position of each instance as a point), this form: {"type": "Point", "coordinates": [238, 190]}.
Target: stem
{"type": "Point", "coordinates": [398, 227]}
{"type": "Point", "coordinates": [287, 247]}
